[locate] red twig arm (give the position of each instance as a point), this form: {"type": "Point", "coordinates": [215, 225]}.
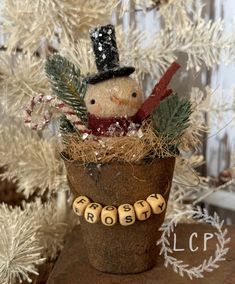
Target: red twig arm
{"type": "Point", "coordinates": [159, 93]}
{"type": "Point", "coordinates": [166, 77]}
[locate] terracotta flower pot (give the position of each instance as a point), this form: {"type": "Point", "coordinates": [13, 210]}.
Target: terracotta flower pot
{"type": "Point", "coordinates": [121, 249]}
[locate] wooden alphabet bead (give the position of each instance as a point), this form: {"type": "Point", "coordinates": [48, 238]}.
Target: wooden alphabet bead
{"type": "Point", "coordinates": [109, 215]}
{"type": "Point", "coordinates": [142, 210]}
{"type": "Point", "coordinates": [92, 213]}
{"type": "Point", "coordinates": [80, 204]}
{"type": "Point", "coordinates": [126, 214]}
{"type": "Point", "coordinates": [157, 203]}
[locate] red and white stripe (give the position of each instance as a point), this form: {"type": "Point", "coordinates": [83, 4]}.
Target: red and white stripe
{"type": "Point", "coordinates": [56, 103]}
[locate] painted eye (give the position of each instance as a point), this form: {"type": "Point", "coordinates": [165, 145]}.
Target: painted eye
{"type": "Point", "coordinates": [134, 95]}
{"type": "Point", "coordinates": [92, 102]}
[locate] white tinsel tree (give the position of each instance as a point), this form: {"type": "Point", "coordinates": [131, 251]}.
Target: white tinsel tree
{"type": "Point", "coordinates": [32, 30]}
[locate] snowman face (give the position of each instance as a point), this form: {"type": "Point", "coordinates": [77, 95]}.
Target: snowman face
{"type": "Point", "coordinates": [115, 97]}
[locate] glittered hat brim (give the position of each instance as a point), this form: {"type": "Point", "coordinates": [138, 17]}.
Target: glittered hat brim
{"type": "Point", "coordinates": [111, 73]}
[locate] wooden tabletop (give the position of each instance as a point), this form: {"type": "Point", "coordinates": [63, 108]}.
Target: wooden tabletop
{"type": "Point", "coordinates": [72, 266]}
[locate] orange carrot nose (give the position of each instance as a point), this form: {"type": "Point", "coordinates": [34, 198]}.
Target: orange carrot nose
{"type": "Point", "coordinates": [119, 101]}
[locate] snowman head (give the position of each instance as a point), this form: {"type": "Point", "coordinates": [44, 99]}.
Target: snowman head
{"type": "Point", "coordinates": [111, 92]}
{"type": "Point", "coordinates": [116, 97]}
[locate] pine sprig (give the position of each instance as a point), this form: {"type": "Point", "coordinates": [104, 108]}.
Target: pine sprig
{"type": "Point", "coordinates": [66, 126]}
{"type": "Point", "coordinates": [171, 118]}
{"type": "Point", "coordinates": [67, 83]}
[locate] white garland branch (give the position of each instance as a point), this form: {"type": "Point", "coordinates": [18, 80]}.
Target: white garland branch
{"type": "Point", "coordinates": [21, 78]}
{"type": "Point", "coordinates": [30, 235]}
{"type": "Point", "coordinates": [31, 161]}
{"type": "Point", "coordinates": [20, 250]}
{"type": "Point", "coordinates": [52, 227]}
{"type": "Point", "coordinates": [27, 22]}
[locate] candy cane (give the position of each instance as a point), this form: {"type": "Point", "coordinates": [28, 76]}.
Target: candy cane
{"type": "Point", "coordinates": [56, 103]}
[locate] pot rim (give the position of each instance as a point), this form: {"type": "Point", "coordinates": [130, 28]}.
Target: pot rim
{"type": "Point", "coordinates": [144, 161]}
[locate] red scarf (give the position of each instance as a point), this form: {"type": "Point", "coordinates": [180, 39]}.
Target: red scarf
{"type": "Point", "coordinates": [106, 126]}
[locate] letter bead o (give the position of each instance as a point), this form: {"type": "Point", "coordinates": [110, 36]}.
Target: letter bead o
{"type": "Point", "coordinates": [109, 216]}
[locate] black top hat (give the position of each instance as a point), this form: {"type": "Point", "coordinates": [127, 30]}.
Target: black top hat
{"type": "Point", "coordinates": [106, 55]}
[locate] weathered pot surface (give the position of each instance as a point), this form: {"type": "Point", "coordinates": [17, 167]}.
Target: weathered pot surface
{"type": "Point", "coordinates": [122, 249]}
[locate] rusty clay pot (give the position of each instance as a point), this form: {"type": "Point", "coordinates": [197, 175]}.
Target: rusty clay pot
{"type": "Point", "coordinates": [121, 249]}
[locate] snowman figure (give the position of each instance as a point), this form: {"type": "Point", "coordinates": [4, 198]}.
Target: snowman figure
{"type": "Point", "coordinates": [114, 100]}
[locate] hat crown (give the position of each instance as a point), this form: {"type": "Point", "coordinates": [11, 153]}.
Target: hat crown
{"type": "Point", "coordinates": [105, 47]}
{"type": "Point", "coordinates": [106, 55]}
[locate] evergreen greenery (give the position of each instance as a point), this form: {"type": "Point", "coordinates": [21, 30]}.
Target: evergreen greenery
{"type": "Point", "coordinates": [171, 118]}
{"type": "Point", "coordinates": [67, 83]}
{"type": "Point", "coordinates": [66, 126]}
